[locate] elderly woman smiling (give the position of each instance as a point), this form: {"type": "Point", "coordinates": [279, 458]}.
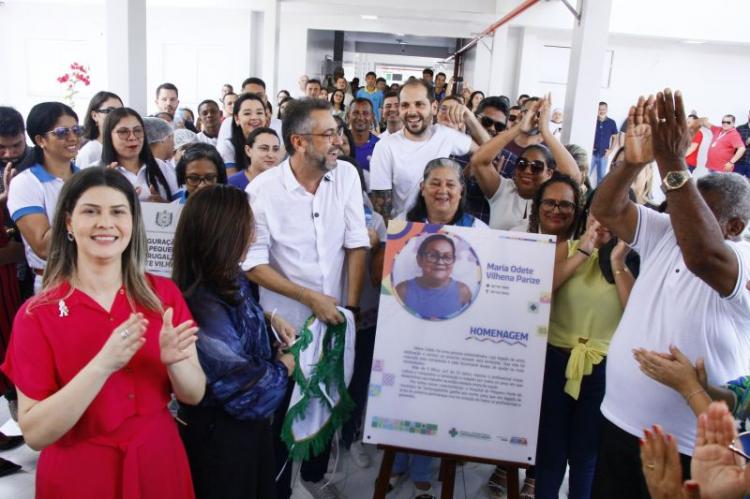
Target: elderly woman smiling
{"type": "Point", "coordinates": [442, 196]}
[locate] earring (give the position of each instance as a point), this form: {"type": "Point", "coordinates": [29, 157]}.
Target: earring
{"type": "Point", "coordinates": [70, 236]}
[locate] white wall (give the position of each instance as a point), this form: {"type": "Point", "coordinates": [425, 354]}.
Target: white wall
{"type": "Point", "coordinates": [36, 48]}
{"type": "Point", "coordinates": [710, 76]}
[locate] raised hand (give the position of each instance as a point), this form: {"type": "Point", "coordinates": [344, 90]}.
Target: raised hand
{"type": "Point", "coordinates": [175, 342]}
{"type": "Point", "coordinates": [670, 134]}
{"type": "Point", "coordinates": [545, 108]}
{"type": "Point", "coordinates": [638, 142]}
{"type": "Point", "coordinates": [660, 462]}
{"type": "Point", "coordinates": [529, 119]}
{"type": "Point", "coordinates": [125, 340]}
{"type": "Point", "coordinates": [717, 469]}
{"type": "Point", "coordinates": [620, 252]}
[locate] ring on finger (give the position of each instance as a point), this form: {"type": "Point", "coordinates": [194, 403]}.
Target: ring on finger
{"type": "Point", "coordinates": [124, 333]}
{"type": "Point", "coordinates": [650, 466]}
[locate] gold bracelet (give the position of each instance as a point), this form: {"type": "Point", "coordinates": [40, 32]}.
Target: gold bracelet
{"type": "Point", "coordinates": [696, 392]}
{"type": "Point", "coordinates": [622, 271]}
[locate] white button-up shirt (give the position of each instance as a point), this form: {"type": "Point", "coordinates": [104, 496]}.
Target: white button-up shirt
{"type": "Point", "coordinates": [303, 236]}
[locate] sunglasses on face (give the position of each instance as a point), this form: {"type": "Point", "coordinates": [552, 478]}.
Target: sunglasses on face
{"type": "Point", "coordinates": [124, 133]}
{"type": "Point", "coordinates": [488, 122]}
{"type": "Point", "coordinates": [536, 166]}
{"type": "Point", "coordinates": [196, 180]}
{"type": "Point", "coordinates": [62, 132]}
{"type": "Point", "coordinates": [726, 122]}
{"type": "Point", "coordinates": [565, 207]}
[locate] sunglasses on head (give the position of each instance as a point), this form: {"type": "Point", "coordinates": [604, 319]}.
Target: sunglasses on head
{"type": "Point", "coordinates": [488, 122]}
{"type": "Point", "coordinates": [62, 132]}
{"type": "Point", "coordinates": [536, 166]}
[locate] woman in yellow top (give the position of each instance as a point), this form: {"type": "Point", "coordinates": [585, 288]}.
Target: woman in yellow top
{"type": "Point", "coordinates": [591, 285]}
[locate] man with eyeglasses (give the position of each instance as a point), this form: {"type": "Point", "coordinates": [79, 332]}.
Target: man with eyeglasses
{"type": "Point", "coordinates": [311, 238]}
{"type": "Point", "coordinates": [361, 117]}
{"type": "Point", "coordinates": [726, 146]}
{"type": "Point", "coordinates": [398, 161]}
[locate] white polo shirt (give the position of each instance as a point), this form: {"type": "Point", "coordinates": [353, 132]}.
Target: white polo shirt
{"type": "Point", "coordinates": [32, 191]}
{"type": "Point", "coordinates": [303, 235]}
{"type": "Point", "coordinates": [397, 163]}
{"type": "Point", "coordinates": [140, 180]}
{"type": "Point", "coordinates": [669, 305]}
{"type": "Point", "coordinates": [507, 208]}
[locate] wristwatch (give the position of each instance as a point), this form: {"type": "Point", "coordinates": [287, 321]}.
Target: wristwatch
{"type": "Point", "coordinates": [674, 180]}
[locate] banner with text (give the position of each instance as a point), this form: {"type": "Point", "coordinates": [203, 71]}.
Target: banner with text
{"type": "Point", "coordinates": [461, 341]}
{"type": "Point", "coordinates": [160, 220]}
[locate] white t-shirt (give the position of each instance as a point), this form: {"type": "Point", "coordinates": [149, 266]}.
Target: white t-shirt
{"type": "Point", "coordinates": [670, 305]}
{"type": "Point", "coordinates": [507, 208]}
{"type": "Point", "coordinates": [32, 191]}
{"type": "Point", "coordinates": [397, 163]}
{"type": "Point", "coordinates": [205, 139]}
{"type": "Point", "coordinates": [303, 236]}
{"type": "Point", "coordinates": [90, 154]}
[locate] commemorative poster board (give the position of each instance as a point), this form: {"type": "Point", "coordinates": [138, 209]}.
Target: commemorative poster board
{"type": "Point", "coordinates": [160, 220]}
{"type": "Point", "coordinates": [461, 341]}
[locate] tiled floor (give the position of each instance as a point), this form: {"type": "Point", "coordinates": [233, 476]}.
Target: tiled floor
{"type": "Point", "coordinates": [353, 482]}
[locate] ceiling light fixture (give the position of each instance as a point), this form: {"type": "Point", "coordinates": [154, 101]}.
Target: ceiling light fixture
{"type": "Point", "coordinates": [694, 42]}
{"type": "Point", "coordinates": [370, 17]}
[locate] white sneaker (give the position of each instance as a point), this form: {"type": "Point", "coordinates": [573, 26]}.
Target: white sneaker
{"type": "Point", "coordinates": [319, 490]}
{"type": "Point", "coordinates": [359, 455]}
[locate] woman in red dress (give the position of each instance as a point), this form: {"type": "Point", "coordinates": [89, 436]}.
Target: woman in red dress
{"type": "Point", "coordinates": [95, 356]}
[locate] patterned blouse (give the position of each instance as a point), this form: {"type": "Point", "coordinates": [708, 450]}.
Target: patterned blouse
{"type": "Point", "coordinates": [234, 349]}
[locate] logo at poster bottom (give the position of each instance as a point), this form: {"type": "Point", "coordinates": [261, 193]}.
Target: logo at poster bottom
{"type": "Point", "coordinates": [475, 435]}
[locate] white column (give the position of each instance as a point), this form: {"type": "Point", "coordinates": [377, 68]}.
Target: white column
{"type": "Point", "coordinates": [585, 73]}
{"type": "Point", "coordinates": [498, 61]}
{"type": "Point", "coordinates": [125, 36]}
{"type": "Point", "coordinates": [256, 43]}
{"type": "Point", "coordinates": [269, 66]}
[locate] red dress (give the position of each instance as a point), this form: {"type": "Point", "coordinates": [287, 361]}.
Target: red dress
{"type": "Point", "coordinates": [126, 444]}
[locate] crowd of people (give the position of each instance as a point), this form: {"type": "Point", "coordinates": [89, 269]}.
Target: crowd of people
{"type": "Point", "coordinates": [284, 218]}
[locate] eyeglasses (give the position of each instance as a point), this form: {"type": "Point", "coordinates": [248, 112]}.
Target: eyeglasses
{"type": "Point", "coordinates": [488, 122]}
{"type": "Point", "coordinates": [63, 132]}
{"type": "Point", "coordinates": [536, 166]}
{"type": "Point", "coordinates": [726, 122]}
{"type": "Point", "coordinates": [196, 180]}
{"type": "Point", "coordinates": [330, 135]}
{"type": "Point", "coordinates": [434, 257]}
{"type": "Point", "coordinates": [565, 207]}
{"type": "Point", "coordinates": [124, 133]}
{"type": "Point", "coordinates": [105, 110]}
